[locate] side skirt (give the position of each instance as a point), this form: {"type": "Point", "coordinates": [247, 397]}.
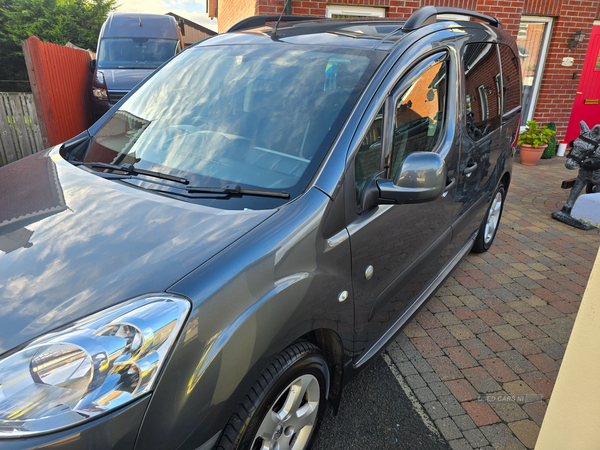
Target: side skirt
{"type": "Point", "coordinates": [391, 333]}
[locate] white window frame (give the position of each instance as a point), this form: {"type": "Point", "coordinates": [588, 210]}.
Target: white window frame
{"type": "Point", "coordinates": [485, 113]}
{"type": "Point", "coordinates": [456, 17]}
{"type": "Point", "coordinates": [542, 64]}
{"type": "Point", "coordinates": [359, 11]}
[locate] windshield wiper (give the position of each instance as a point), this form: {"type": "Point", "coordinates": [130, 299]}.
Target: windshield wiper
{"type": "Point", "coordinates": [225, 192]}
{"type": "Point", "coordinates": [234, 190]}
{"type": "Point", "coordinates": [131, 170]}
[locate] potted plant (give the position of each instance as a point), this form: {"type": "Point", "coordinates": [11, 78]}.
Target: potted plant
{"type": "Point", "coordinates": [533, 141]}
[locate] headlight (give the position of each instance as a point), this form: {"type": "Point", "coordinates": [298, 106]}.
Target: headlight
{"type": "Point", "coordinates": [100, 94]}
{"type": "Point", "coordinates": [91, 367]}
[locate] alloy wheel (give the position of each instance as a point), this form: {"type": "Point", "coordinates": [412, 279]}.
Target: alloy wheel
{"type": "Point", "coordinates": [289, 422]}
{"type": "Point", "coordinates": [493, 218]}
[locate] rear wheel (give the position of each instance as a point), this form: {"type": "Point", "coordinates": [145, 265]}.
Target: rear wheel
{"type": "Point", "coordinates": [491, 222]}
{"type": "Point", "coordinates": [284, 408]}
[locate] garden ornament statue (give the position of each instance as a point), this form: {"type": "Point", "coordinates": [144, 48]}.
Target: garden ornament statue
{"type": "Point", "coordinates": [584, 156]}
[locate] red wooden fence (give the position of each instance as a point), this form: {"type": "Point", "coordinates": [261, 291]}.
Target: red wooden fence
{"type": "Point", "coordinates": [60, 81]}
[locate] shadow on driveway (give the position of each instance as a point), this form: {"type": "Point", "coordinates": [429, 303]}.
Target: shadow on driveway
{"type": "Point", "coordinates": [376, 414]}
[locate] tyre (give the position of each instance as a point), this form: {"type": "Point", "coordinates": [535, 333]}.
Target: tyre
{"type": "Point", "coordinates": [491, 222]}
{"type": "Point", "coordinates": [284, 408]}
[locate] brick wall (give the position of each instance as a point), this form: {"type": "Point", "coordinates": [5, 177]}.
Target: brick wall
{"type": "Point", "coordinates": [558, 89]}
{"type": "Point", "coordinates": [232, 11]}
{"type": "Point", "coordinates": [508, 11]}
{"type": "Point", "coordinates": [542, 7]}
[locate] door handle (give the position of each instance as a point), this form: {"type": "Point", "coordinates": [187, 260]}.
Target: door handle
{"type": "Point", "coordinates": [470, 169]}
{"type": "Point", "coordinates": [449, 185]}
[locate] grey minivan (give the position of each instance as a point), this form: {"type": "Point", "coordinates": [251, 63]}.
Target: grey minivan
{"type": "Point", "coordinates": [210, 263]}
{"type": "Point", "coordinates": [130, 47]}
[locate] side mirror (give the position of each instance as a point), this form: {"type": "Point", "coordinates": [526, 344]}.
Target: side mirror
{"type": "Point", "coordinates": [92, 65]}
{"type": "Point", "coordinates": [421, 179]}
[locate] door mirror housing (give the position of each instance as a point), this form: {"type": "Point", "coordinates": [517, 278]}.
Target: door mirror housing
{"type": "Point", "coordinates": [92, 65]}
{"type": "Point", "coordinates": [421, 179]}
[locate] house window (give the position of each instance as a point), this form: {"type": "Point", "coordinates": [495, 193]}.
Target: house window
{"type": "Point", "coordinates": [343, 11]}
{"type": "Point", "coordinates": [532, 41]}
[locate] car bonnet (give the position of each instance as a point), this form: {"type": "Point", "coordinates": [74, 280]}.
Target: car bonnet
{"type": "Point", "coordinates": [72, 243]}
{"type": "Point", "coordinates": [124, 79]}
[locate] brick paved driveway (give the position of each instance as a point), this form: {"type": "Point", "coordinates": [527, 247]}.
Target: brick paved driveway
{"type": "Point", "coordinates": [499, 326]}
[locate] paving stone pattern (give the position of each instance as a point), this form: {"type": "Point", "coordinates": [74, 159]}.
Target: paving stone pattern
{"type": "Point", "coordinates": [483, 355]}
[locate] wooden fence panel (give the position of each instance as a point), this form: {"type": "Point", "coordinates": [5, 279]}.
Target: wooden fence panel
{"type": "Point", "coordinates": [61, 84]}
{"type": "Point", "coordinates": [19, 124]}
{"type": "Point", "coordinates": [35, 134]}
{"type": "Point", "coordinates": [19, 129]}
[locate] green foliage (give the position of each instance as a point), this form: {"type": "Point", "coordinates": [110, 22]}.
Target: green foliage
{"type": "Point", "coordinates": [56, 21]}
{"type": "Point", "coordinates": [551, 149]}
{"type": "Point", "coordinates": [536, 136]}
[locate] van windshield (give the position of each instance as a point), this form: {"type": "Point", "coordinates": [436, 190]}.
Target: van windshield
{"type": "Point", "coordinates": [258, 116]}
{"type": "Point", "coordinates": [134, 53]}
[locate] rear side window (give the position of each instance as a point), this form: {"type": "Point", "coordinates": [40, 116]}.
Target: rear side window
{"type": "Point", "coordinates": [510, 76]}
{"type": "Point", "coordinates": [419, 115]}
{"type": "Point", "coordinates": [482, 86]}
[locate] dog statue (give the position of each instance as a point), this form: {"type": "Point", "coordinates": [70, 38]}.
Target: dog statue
{"type": "Point", "coordinates": [584, 156]}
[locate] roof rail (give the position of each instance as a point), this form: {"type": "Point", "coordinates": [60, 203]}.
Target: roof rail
{"type": "Point", "coordinates": [426, 15]}
{"type": "Point", "coordinates": [259, 21]}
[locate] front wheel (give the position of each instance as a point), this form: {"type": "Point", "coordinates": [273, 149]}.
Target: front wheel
{"type": "Point", "coordinates": [284, 408]}
{"type": "Point", "coordinates": [491, 222]}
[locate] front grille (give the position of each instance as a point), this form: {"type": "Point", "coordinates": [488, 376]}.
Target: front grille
{"type": "Point", "coordinates": [115, 96]}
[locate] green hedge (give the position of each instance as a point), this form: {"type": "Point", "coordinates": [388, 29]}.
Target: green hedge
{"type": "Point", "coordinates": [551, 149]}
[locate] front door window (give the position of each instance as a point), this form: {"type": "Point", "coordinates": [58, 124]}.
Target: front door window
{"type": "Point", "coordinates": [419, 115]}
{"type": "Point", "coordinates": [368, 158]}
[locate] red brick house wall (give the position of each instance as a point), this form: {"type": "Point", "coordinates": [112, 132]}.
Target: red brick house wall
{"type": "Point", "coordinates": [232, 11]}
{"type": "Point", "coordinates": [542, 7]}
{"type": "Point", "coordinates": [558, 88]}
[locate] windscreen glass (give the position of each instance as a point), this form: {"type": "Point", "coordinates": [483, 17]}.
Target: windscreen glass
{"type": "Point", "coordinates": [134, 53]}
{"type": "Point", "coordinates": [256, 116]}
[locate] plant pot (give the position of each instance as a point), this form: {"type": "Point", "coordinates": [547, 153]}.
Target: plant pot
{"type": "Point", "coordinates": [531, 155]}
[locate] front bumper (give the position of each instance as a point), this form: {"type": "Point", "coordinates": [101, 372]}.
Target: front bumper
{"type": "Point", "coordinates": [117, 430]}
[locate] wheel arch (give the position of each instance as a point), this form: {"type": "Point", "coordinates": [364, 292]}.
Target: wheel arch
{"type": "Point", "coordinates": [505, 180]}
{"type": "Point", "coordinates": [332, 347]}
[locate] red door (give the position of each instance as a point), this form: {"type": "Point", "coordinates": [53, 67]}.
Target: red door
{"type": "Point", "coordinates": [587, 101]}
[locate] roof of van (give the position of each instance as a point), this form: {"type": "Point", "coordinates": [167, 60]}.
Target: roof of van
{"type": "Point", "coordinates": [140, 25]}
